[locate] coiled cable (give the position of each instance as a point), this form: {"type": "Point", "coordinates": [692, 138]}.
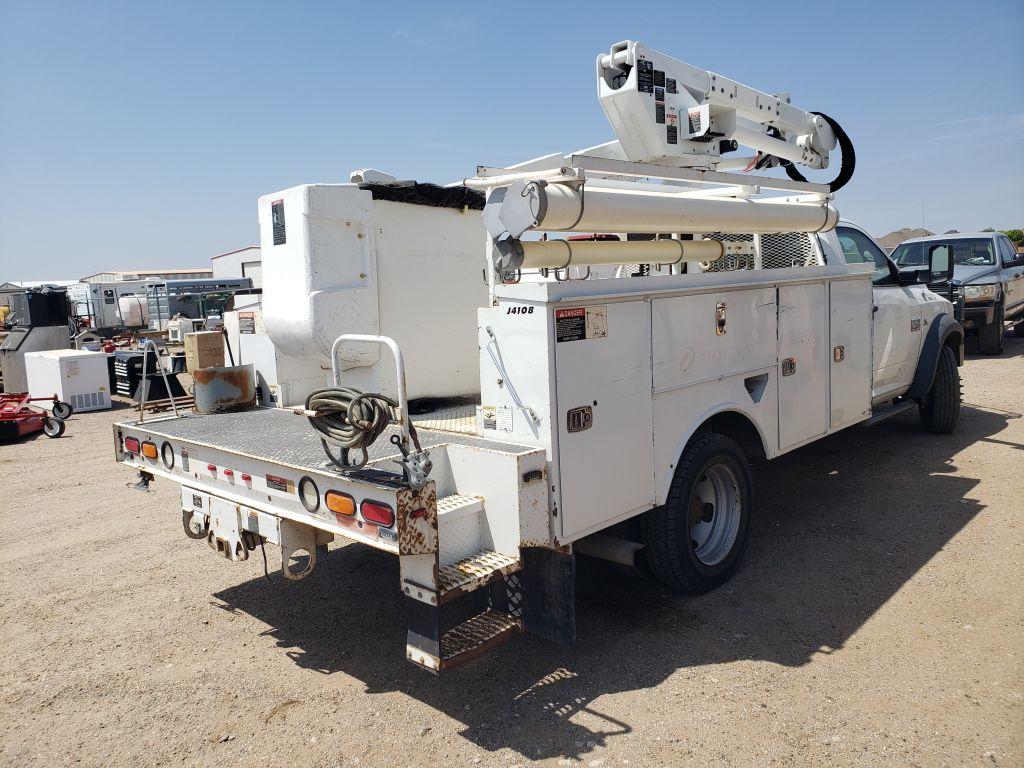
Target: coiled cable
{"type": "Point", "coordinates": [349, 418]}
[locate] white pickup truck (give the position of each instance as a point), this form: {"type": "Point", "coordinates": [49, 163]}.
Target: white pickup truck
{"type": "Point", "coordinates": [595, 393]}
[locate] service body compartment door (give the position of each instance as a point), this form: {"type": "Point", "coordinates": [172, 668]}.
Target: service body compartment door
{"type": "Point", "coordinates": [850, 369]}
{"type": "Point", "coordinates": [712, 335]}
{"type": "Point", "coordinates": [603, 395]}
{"type": "Point", "coordinates": [803, 363]}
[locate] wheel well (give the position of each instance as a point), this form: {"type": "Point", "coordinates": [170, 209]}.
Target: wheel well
{"type": "Point", "coordinates": [739, 428]}
{"type": "Point", "coordinates": [955, 341]}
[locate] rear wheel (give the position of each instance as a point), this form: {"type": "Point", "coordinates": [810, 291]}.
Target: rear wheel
{"type": "Point", "coordinates": [940, 408]}
{"type": "Point", "coordinates": [694, 542]}
{"type": "Point", "coordinates": [990, 337]}
{"type": "Point", "coordinates": [53, 427]}
{"type": "Point", "coordinates": [62, 410]}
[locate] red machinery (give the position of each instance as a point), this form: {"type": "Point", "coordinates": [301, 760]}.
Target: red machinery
{"type": "Point", "coordinates": [18, 417]}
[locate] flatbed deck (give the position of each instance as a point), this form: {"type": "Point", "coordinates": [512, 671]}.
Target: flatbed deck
{"type": "Point", "coordinates": [285, 438]}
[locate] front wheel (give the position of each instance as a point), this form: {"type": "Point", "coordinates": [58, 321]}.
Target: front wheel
{"type": "Point", "coordinates": [990, 337]}
{"type": "Point", "coordinates": [53, 427]}
{"type": "Point", "coordinates": [940, 408]}
{"type": "Point", "coordinates": [694, 543]}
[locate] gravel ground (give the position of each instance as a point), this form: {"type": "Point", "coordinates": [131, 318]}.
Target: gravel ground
{"type": "Point", "coordinates": [878, 621]}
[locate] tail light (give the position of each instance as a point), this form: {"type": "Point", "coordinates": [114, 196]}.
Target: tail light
{"type": "Point", "coordinates": [131, 445]}
{"type": "Point", "coordinates": [149, 450]}
{"type": "Point", "coordinates": [340, 503]}
{"type": "Point", "coordinates": [375, 512]}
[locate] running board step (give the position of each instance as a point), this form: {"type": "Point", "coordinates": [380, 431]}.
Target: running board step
{"type": "Point", "coordinates": [473, 572]}
{"type": "Point", "coordinates": [890, 412]}
{"type": "Point", "coordinates": [476, 636]}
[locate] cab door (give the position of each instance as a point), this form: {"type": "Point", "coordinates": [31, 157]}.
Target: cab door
{"type": "Point", "coordinates": [1013, 278]}
{"type": "Point", "coordinates": [896, 319]}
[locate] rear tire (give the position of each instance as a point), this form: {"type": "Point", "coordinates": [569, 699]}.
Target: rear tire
{"type": "Point", "coordinates": [62, 410]}
{"type": "Point", "coordinates": [53, 427]}
{"type": "Point", "coordinates": [990, 338]}
{"type": "Point", "coordinates": [1018, 330]}
{"type": "Point", "coordinates": [940, 408]}
{"type": "Point", "coordinates": [694, 543]}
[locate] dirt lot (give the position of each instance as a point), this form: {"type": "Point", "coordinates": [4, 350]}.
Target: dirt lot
{"type": "Point", "coordinates": [879, 621]}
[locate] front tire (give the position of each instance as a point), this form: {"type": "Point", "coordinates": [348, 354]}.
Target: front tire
{"type": "Point", "coordinates": [53, 427]}
{"type": "Point", "coordinates": [990, 337]}
{"type": "Point", "coordinates": [940, 408]}
{"type": "Point", "coordinates": [695, 541]}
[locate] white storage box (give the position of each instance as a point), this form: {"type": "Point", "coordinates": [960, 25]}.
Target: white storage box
{"type": "Point", "coordinates": [76, 376]}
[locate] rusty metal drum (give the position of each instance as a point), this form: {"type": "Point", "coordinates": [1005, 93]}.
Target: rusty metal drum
{"type": "Point", "coordinates": [224, 389]}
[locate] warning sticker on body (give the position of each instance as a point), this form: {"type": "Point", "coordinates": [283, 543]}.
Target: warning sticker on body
{"type": "Point", "coordinates": [580, 323]}
{"type": "Point", "coordinates": [498, 418]}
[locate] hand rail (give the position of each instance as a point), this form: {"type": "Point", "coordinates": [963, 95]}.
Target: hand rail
{"type": "Point", "coordinates": [145, 381]}
{"type": "Point", "coordinates": [403, 395]}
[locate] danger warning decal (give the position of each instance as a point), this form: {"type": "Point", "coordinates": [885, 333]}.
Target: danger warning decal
{"type": "Point", "coordinates": [580, 323]}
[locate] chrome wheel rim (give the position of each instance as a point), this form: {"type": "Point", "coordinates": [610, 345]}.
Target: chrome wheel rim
{"type": "Point", "coordinates": [714, 514]}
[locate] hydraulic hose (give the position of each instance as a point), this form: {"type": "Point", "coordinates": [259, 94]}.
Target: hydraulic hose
{"type": "Point", "coordinates": [350, 419]}
{"type": "Point", "coordinates": [849, 157]}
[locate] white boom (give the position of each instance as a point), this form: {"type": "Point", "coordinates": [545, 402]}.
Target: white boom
{"type": "Point", "coordinates": [673, 122]}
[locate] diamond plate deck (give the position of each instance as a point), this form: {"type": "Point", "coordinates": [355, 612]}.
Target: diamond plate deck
{"type": "Point", "coordinates": [282, 437]}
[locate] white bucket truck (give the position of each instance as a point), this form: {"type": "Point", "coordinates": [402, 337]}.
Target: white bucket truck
{"type": "Point", "coordinates": [649, 320]}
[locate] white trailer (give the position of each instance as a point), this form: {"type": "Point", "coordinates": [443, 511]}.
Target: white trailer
{"type": "Point", "coordinates": [622, 385]}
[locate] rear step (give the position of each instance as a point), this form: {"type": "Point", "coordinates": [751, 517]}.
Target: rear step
{"type": "Point", "coordinates": [476, 636]}
{"type": "Point", "coordinates": [473, 572]}
{"type": "Point", "coordinates": [889, 412]}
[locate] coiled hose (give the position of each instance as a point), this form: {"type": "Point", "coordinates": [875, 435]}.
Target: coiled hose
{"type": "Point", "coordinates": [350, 419]}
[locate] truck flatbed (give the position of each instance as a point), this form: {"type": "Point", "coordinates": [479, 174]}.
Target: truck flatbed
{"type": "Point", "coordinates": [284, 438]}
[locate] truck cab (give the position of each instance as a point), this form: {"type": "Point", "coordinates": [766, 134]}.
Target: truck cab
{"type": "Point", "coordinates": [903, 311]}
{"type": "Point", "coordinates": [990, 274]}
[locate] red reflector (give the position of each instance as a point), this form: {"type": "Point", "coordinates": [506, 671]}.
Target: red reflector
{"type": "Point", "coordinates": [375, 512]}
{"type": "Point", "coordinates": [212, 467]}
{"type": "Point", "coordinates": [246, 477]}
{"type": "Point", "coordinates": [131, 444]}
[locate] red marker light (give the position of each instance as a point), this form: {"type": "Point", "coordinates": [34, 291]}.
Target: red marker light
{"type": "Point", "coordinates": [212, 468]}
{"type": "Point", "coordinates": [375, 512]}
{"type": "Point", "coordinates": [246, 477]}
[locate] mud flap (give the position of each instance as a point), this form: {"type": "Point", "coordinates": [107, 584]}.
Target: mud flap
{"type": "Point", "coordinates": [549, 587]}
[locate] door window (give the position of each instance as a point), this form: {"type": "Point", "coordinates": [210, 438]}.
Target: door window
{"type": "Point", "coordinates": [858, 248]}
{"type": "Point", "coordinates": [1008, 252]}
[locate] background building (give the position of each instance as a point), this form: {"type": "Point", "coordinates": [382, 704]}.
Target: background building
{"type": "Point", "coordinates": [245, 262]}
{"type": "Point", "coordinates": [147, 274]}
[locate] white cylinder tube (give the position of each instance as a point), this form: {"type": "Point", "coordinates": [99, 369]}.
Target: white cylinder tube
{"type": "Point", "coordinates": [558, 254]}
{"type": "Point", "coordinates": [593, 208]}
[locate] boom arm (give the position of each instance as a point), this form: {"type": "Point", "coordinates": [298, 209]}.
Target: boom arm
{"type": "Point", "coordinates": [663, 110]}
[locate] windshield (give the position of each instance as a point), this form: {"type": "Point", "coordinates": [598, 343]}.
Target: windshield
{"type": "Point", "coordinates": [969, 252]}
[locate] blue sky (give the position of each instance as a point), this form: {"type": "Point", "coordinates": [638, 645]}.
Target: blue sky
{"type": "Point", "coordinates": [141, 134]}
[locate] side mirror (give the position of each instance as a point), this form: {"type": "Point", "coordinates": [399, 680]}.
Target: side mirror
{"type": "Point", "coordinates": [940, 258]}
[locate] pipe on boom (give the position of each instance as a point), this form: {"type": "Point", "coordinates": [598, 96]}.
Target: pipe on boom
{"type": "Point", "coordinates": [590, 207]}
{"type": "Point", "coordinates": [559, 254]}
